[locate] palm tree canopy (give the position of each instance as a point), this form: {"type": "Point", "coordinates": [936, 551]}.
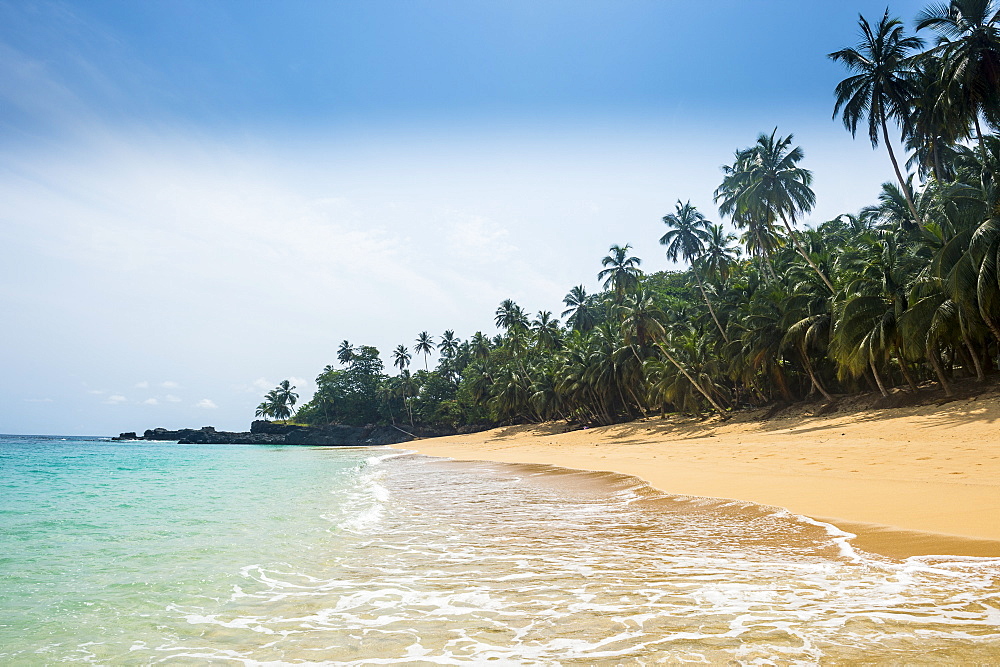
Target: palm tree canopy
{"type": "Point", "coordinates": [581, 316]}
{"type": "Point", "coordinates": [511, 317]}
{"type": "Point", "coordinates": [621, 272]}
{"type": "Point", "coordinates": [425, 343]}
{"type": "Point", "coordinates": [401, 357]}
{"type": "Point", "coordinates": [688, 232]}
{"type": "Point", "coordinates": [720, 254]}
{"type": "Point", "coordinates": [766, 181]}
{"type": "Point", "coordinates": [970, 46]}
{"type": "Point", "coordinates": [882, 85]}
{"type": "Point", "coordinates": [448, 345]}
{"type": "Point", "coordinates": [345, 352]}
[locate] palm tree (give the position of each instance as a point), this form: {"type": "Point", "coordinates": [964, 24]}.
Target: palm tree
{"type": "Point", "coordinates": [511, 317]}
{"type": "Point", "coordinates": [287, 396]}
{"type": "Point", "coordinates": [401, 357]}
{"type": "Point", "coordinates": [970, 53]}
{"type": "Point", "coordinates": [448, 345]}
{"type": "Point", "coordinates": [480, 346]}
{"type": "Point", "coordinates": [621, 272]}
{"type": "Point", "coordinates": [881, 88]}
{"type": "Point", "coordinates": [581, 315]}
{"type": "Point", "coordinates": [687, 238]}
{"type": "Point", "coordinates": [936, 122]}
{"type": "Point", "coordinates": [345, 353]}
{"type": "Point", "coordinates": [720, 255]}
{"type": "Point", "coordinates": [548, 337]}
{"type": "Point", "coordinates": [766, 182]}
{"type": "Point", "coordinates": [425, 345]}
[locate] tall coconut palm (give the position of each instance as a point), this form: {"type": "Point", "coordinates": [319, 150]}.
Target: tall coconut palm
{"type": "Point", "coordinates": [970, 52]}
{"type": "Point", "coordinates": [545, 328]}
{"type": "Point", "coordinates": [766, 182]}
{"type": "Point", "coordinates": [401, 359]}
{"type": "Point", "coordinates": [286, 395]}
{"type": "Point", "coordinates": [345, 352]}
{"type": "Point", "coordinates": [882, 87]}
{"type": "Point", "coordinates": [448, 345]}
{"type": "Point", "coordinates": [511, 317]}
{"type": "Point", "coordinates": [621, 272]}
{"type": "Point", "coordinates": [425, 345]}
{"type": "Point", "coordinates": [720, 254]}
{"type": "Point", "coordinates": [581, 316]}
{"type": "Point", "coordinates": [936, 122]}
{"type": "Point", "coordinates": [687, 237]}
{"type": "Point", "coordinates": [480, 346]}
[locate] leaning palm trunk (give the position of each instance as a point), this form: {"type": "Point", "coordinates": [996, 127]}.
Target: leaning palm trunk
{"type": "Point", "coordinates": [812, 374]}
{"type": "Point", "coordinates": [708, 303]}
{"type": "Point", "coordinates": [905, 370]}
{"type": "Point", "coordinates": [878, 378]}
{"type": "Point", "coordinates": [972, 354]}
{"type": "Point", "coordinates": [693, 382]}
{"type": "Point", "coordinates": [932, 356]}
{"type": "Point", "coordinates": [805, 255]}
{"type": "Point", "coordinates": [899, 176]}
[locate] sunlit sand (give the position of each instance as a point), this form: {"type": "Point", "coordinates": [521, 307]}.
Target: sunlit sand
{"type": "Point", "coordinates": [916, 480]}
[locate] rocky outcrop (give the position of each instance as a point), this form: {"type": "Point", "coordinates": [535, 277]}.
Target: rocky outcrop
{"type": "Point", "coordinates": [269, 433]}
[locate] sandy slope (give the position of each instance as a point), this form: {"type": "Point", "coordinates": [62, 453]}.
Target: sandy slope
{"type": "Point", "coordinates": [931, 469]}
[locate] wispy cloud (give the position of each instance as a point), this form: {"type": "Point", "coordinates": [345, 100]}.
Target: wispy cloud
{"type": "Point", "coordinates": [170, 398]}
{"type": "Point", "coordinates": [142, 385]}
{"type": "Point", "coordinates": [170, 384]}
{"type": "Point", "coordinates": [38, 400]}
{"type": "Point", "coordinates": [151, 401]}
{"type": "Point", "coordinates": [206, 404]}
{"type": "Point", "coordinates": [116, 399]}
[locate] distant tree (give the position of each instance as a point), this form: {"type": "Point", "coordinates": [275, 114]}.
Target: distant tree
{"type": "Point", "coordinates": [425, 345]}
{"type": "Point", "coordinates": [579, 311]}
{"type": "Point", "coordinates": [448, 345]}
{"type": "Point", "coordinates": [621, 272]}
{"type": "Point", "coordinates": [345, 353]}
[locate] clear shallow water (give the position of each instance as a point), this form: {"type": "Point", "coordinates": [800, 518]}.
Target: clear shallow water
{"type": "Point", "coordinates": [143, 552]}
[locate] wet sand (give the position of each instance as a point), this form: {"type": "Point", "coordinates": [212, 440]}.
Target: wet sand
{"type": "Point", "coordinates": [908, 481]}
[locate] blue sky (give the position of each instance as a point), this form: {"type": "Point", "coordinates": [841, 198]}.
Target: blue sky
{"type": "Point", "coordinates": [201, 199]}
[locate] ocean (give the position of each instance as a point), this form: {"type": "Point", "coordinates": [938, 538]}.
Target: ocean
{"type": "Point", "coordinates": [143, 553]}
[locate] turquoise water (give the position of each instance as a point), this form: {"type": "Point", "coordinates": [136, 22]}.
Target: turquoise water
{"type": "Point", "coordinates": [141, 553]}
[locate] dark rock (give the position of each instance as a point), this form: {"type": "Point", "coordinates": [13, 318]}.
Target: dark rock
{"type": "Point", "coordinates": [130, 435]}
{"type": "Point", "coordinates": [269, 433]}
{"type": "Point", "coordinates": [261, 426]}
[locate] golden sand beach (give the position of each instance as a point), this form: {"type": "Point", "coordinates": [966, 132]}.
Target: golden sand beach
{"type": "Point", "coordinates": [907, 481]}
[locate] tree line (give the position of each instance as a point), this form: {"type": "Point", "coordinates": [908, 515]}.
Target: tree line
{"type": "Point", "coordinates": [903, 293]}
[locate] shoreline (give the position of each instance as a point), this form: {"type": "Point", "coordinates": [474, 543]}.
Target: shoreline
{"type": "Point", "coordinates": [921, 480]}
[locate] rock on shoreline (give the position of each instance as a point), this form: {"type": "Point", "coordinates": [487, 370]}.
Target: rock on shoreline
{"type": "Point", "coordinates": [269, 433]}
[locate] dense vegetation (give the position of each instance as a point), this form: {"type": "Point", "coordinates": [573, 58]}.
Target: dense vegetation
{"type": "Point", "coordinates": [902, 293]}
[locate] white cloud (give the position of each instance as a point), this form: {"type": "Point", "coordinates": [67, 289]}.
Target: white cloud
{"type": "Point", "coordinates": [96, 392]}
{"type": "Point", "coordinates": [170, 398]}
{"type": "Point", "coordinates": [142, 385]}
{"type": "Point", "coordinates": [207, 404]}
{"type": "Point", "coordinates": [258, 386]}
{"type": "Point", "coordinates": [151, 401]}
{"type": "Point", "coordinates": [115, 399]}
{"type": "Point", "coordinates": [38, 400]}
{"type": "Point", "coordinates": [169, 384]}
